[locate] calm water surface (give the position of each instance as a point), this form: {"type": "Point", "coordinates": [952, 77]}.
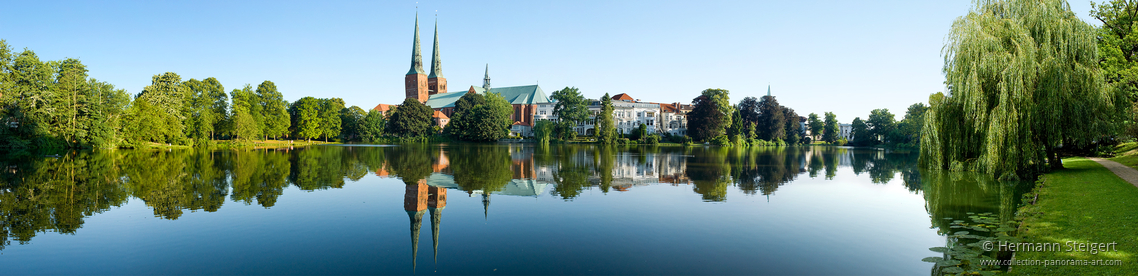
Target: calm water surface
{"type": "Point", "coordinates": [482, 209]}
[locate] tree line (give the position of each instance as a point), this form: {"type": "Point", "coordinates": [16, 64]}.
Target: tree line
{"type": "Point", "coordinates": [55, 104]}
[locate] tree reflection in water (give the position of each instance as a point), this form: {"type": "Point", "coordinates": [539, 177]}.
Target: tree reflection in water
{"type": "Point", "coordinates": [40, 194]}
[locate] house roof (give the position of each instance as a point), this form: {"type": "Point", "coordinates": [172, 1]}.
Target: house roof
{"type": "Point", "coordinates": [440, 115]}
{"type": "Point", "coordinates": [383, 107]}
{"type": "Point", "coordinates": [623, 97]}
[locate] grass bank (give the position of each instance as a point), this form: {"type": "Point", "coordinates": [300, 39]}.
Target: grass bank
{"type": "Point", "coordinates": [1084, 203]}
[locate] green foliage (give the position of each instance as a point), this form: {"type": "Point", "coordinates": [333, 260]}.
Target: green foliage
{"type": "Point", "coordinates": [861, 133]}
{"type": "Point", "coordinates": [704, 121]}
{"type": "Point", "coordinates": [794, 131]}
{"type": "Point", "coordinates": [245, 125]}
{"type": "Point", "coordinates": [749, 112]}
{"type": "Point", "coordinates": [606, 129]}
{"type": "Point", "coordinates": [652, 139]}
{"type": "Point", "coordinates": [571, 106]}
{"type": "Point", "coordinates": [881, 125]}
{"type": "Point", "coordinates": [353, 122]}
{"type": "Point", "coordinates": [411, 119]}
{"type": "Point", "coordinates": [274, 110]}
{"type": "Point", "coordinates": [1024, 79]}
{"type": "Point", "coordinates": [720, 140]}
{"type": "Point", "coordinates": [830, 128]}
{"type": "Point", "coordinates": [371, 129]}
{"type": "Point", "coordinates": [331, 120]}
{"type": "Point", "coordinates": [909, 129]}
{"type": "Point", "coordinates": [640, 133]}
{"type": "Point", "coordinates": [772, 121]}
{"type": "Point", "coordinates": [305, 114]}
{"type": "Point", "coordinates": [543, 131]}
{"type": "Point", "coordinates": [814, 124]}
{"type": "Point", "coordinates": [481, 118]}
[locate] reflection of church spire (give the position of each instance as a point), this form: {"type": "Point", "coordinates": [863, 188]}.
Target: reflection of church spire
{"type": "Point", "coordinates": [416, 223]}
{"type": "Point", "coordinates": [436, 202]}
{"type": "Point", "coordinates": [485, 205]}
{"type": "Point", "coordinates": [415, 203]}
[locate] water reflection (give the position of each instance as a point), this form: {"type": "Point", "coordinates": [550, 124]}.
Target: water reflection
{"type": "Point", "coordinates": [41, 194]}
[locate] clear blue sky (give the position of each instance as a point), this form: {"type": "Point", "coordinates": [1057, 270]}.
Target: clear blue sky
{"type": "Point", "coordinates": [842, 56]}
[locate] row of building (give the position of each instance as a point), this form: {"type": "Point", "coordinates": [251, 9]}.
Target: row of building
{"type": "Point", "coordinates": [531, 103]}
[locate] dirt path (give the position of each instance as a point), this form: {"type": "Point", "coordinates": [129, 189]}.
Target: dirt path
{"type": "Point", "coordinates": [1126, 173]}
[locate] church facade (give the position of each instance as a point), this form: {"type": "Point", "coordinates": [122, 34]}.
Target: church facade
{"type": "Point", "coordinates": [431, 90]}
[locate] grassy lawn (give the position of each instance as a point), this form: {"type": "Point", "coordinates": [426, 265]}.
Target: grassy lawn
{"type": "Point", "coordinates": [1084, 203]}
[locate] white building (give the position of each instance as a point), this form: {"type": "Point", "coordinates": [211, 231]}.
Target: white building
{"type": "Point", "coordinates": [846, 131]}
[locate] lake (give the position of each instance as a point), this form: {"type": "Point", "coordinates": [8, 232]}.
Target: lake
{"type": "Point", "coordinates": [483, 209]}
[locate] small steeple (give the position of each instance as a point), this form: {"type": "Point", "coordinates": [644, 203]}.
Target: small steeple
{"type": "Point", "coordinates": [416, 56]}
{"type": "Point", "coordinates": [768, 90]}
{"type": "Point", "coordinates": [436, 63]}
{"type": "Point", "coordinates": [486, 80]}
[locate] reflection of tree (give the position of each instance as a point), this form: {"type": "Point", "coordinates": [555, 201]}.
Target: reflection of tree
{"type": "Point", "coordinates": [55, 194]}
{"type": "Point", "coordinates": [159, 178]}
{"type": "Point", "coordinates": [765, 169]}
{"type": "Point", "coordinates": [318, 168]}
{"type": "Point", "coordinates": [410, 162]}
{"type": "Point", "coordinates": [954, 194]}
{"type": "Point", "coordinates": [260, 175]}
{"type": "Point", "coordinates": [571, 176]}
{"type": "Point", "coordinates": [485, 168]}
{"type": "Point", "coordinates": [710, 173]}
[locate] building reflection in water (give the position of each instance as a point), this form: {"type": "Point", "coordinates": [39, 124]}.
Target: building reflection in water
{"type": "Point", "coordinates": [172, 182]}
{"type": "Point", "coordinates": [419, 199]}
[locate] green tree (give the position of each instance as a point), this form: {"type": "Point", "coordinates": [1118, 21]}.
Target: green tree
{"type": "Point", "coordinates": [862, 134]}
{"type": "Point", "coordinates": [353, 118]}
{"type": "Point", "coordinates": [306, 120]}
{"type": "Point", "coordinates": [814, 124]}
{"type": "Point", "coordinates": [543, 131]}
{"type": "Point", "coordinates": [213, 93]}
{"type": "Point", "coordinates": [640, 133]}
{"type": "Point", "coordinates": [704, 121]}
{"type": "Point", "coordinates": [749, 111]}
{"type": "Point", "coordinates": [606, 129]}
{"type": "Point", "coordinates": [722, 100]}
{"type": "Point", "coordinates": [1023, 79]}
{"type": "Point", "coordinates": [463, 117]}
{"type": "Point", "coordinates": [411, 119]}
{"type": "Point", "coordinates": [909, 129]}
{"type": "Point", "coordinates": [331, 123]}
{"type": "Point", "coordinates": [881, 125]}
{"type": "Point", "coordinates": [244, 124]}
{"type": "Point", "coordinates": [1118, 54]}
{"type": "Point", "coordinates": [274, 110]}
{"type": "Point", "coordinates": [372, 127]}
{"type": "Point", "coordinates": [831, 130]}
{"type": "Point", "coordinates": [570, 106]}
{"type": "Point", "coordinates": [793, 126]}
{"type": "Point", "coordinates": [772, 121]}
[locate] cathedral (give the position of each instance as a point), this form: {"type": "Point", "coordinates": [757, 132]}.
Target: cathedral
{"type": "Point", "coordinates": [431, 90]}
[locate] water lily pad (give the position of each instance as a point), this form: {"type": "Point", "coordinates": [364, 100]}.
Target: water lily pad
{"type": "Point", "coordinates": [939, 249]}
{"type": "Point", "coordinates": [952, 270]}
{"type": "Point", "coordinates": [932, 259]}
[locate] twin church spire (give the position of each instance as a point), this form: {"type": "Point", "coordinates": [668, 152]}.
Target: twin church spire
{"type": "Point", "coordinates": [417, 84]}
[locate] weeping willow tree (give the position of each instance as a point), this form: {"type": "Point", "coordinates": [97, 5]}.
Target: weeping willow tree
{"type": "Point", "coordinates": [1023, 80]}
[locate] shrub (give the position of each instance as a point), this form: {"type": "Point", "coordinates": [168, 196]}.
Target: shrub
{"type": "Point", "coordinates": [720, 140]}
{"type": "Point", "coordinates": [652, 139]}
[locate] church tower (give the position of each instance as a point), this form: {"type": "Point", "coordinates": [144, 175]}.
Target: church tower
{"type": "Point", "coordinates": [486, 81]}
{"type": "Point", "coordinates": [416, 81]}
{"type": "Point", "coordinates": [436, 83]}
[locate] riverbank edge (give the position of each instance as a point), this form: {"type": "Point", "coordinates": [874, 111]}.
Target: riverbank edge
{"type": "Point", "coordinates": [1083, 203]}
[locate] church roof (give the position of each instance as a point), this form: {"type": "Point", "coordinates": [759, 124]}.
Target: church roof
{"type": "Point", "coordinates": [526, 94]}
{"type": "Point", "coordinates": [442, 100]}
